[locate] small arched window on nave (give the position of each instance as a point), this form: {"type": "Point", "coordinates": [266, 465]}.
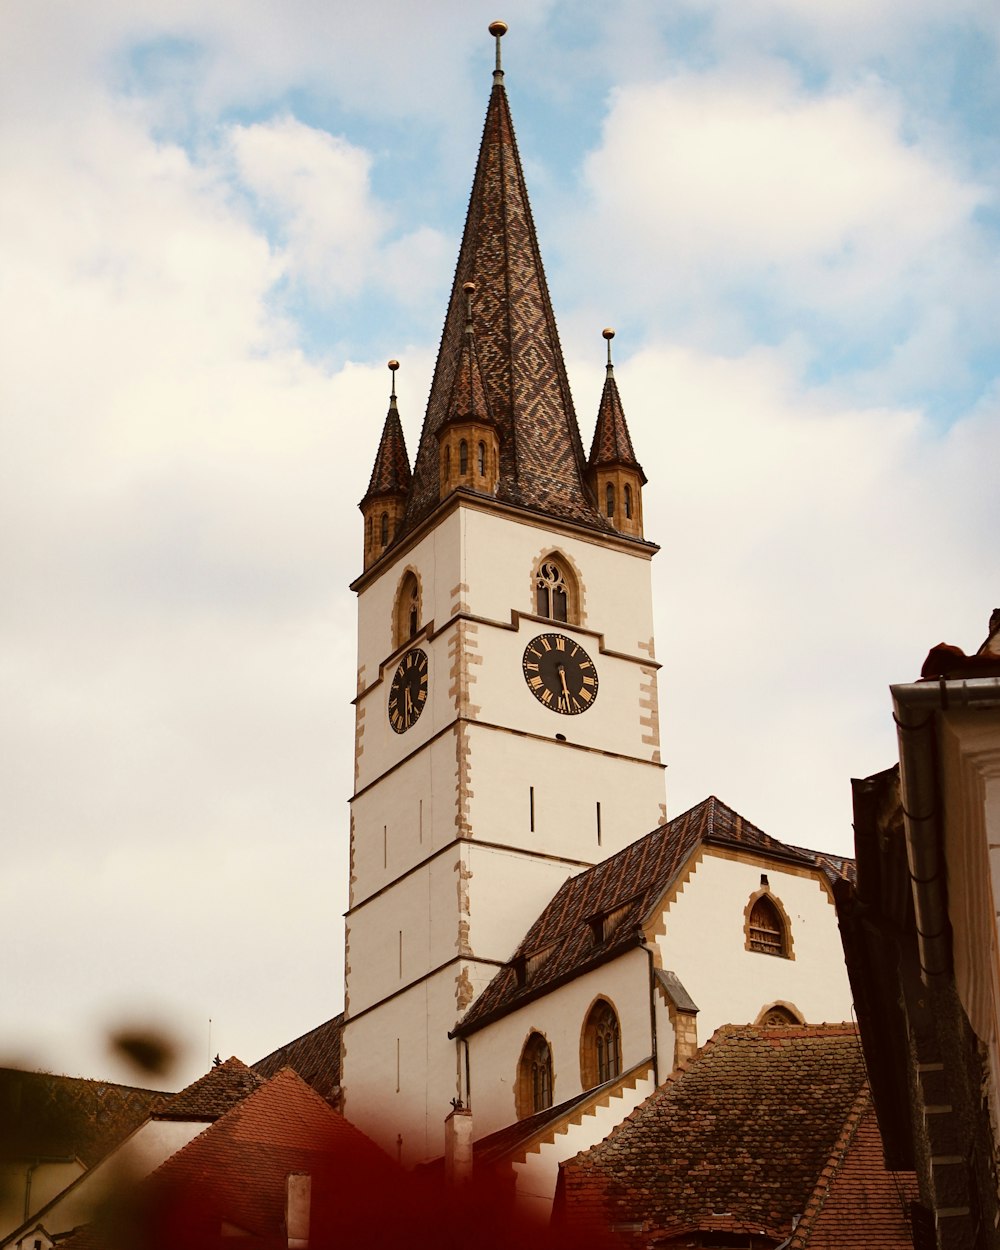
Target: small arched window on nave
{"type": "Point", "coordinates": [601, 1046]}
{"type": "Point", "coordinates": [534, 1077]}
{"type": "Point", "coordinates": [766, 928]}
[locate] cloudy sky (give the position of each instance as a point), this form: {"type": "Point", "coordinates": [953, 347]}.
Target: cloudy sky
{"type": "Point", "coordinates": [220, 218]}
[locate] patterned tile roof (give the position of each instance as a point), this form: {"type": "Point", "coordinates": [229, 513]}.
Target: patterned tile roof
{"type": "Point", "coordinates": [541, 456]}
{"type": "Point", "coordinates": [612, 444]}
{"type": "Point", "coordinates": [391, 472]}
{"type": "Point", "coordinates": [315, 1056]}
{"type": "Point", "coordinates": [68, 1117]}
{"type": "Point", "coordinates": [735, 1139]}
{"type": "Point", "coordinates": [468, 391]}
{"type": "Point", "coordinates": [212, 1095]}
{"type": "Point", "coordinates": [596, 915]}
{"type": "Point", "coordinates": [857, 1201]}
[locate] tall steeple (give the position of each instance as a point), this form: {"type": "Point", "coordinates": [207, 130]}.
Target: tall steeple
{"type": "Point", "coordinates": [615, 475]}
{"type": "Point", "coordinates": [389, 488]}
{"type": "Point", "coordinates": [542, 465]}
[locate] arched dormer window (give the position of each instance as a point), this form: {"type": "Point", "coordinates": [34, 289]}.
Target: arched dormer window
{"type": "Point", "coordinates": [384, 529]}
{"type": "Point", "coordinates": [481, 459]}
{"type": "Point", "coordinates": [609, 499]}
{"type": "Point", "coordinates": [767, 928]}
{"type": "Point", "coordinates": [534, 1077]}
{"type": "Point", "coordinates": [555, 591]}
{"type": "Point", "coordinates": [463, 457]}
{"type": "Point", "coordinates": [406, 618]}
{"type": "Point", "coordinates": [628, 502]}
{"type": "Point", "coordinates": [600, 1045]}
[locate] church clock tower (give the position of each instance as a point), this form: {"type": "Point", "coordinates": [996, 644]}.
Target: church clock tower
{"type": "Point", "coordinates": [506, 712]}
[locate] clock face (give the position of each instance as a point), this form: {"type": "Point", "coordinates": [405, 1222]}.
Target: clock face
{"type": "Point", "coordinates": [560, 674]}
{"type": "Point", "coordinates": [408, 692]}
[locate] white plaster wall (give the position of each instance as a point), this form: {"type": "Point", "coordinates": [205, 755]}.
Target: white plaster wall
{"type": "Point", "coordinates": [405, 818]}
{"type": "Point", "coordinates": [536, 1177]}
{"type": "Point", "coordinates": [424, 907]}
{"type": "Point", "coordinates": [559, 1016]}
{"type": "Point", "coordinates": [428, 1068]}
{"type": "Point", "coordinates": [507, 893]}
{"type": "Point", "coordinates": [47, 1180]}
{"type": "Point", "coordinates": [149, 1146]}
{"type": "Point", "coordinates": [568, 784]}
{"type": "Point", "coordinates": [704, 944]}
{"type": "Point", "coordinates": [501, 554]}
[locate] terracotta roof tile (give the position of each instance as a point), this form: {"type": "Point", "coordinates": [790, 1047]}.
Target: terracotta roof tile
{"type": "Point", "coordinates": [612, 443]}
{"type": "Point", "coordinates": [213, 1094]}
{"type": "Point", "coordinates": [63, 1116]}
{"type": "Point", "coordinates": [738, 1135]}
{"type": "Point", "coordinates": [315, 1056]}
{"type": "Point", "coordinates": [857, 1201]}
{"type": "Point", "coordinates": [597, 914]}
{"type": "Point", "coordinates": [523, 374]}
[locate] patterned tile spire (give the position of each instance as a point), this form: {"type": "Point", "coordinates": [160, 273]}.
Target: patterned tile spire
{"type": "Point", "coordinates": [542, 464]}
{"type": "Point", "coordinates": [391, 473]}
{"type": "Point", "coordinates": [612, 444]}
{"type": "Point", "coordinates": [469, 399]}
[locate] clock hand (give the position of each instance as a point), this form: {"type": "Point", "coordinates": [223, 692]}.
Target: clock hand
{"type": "Point", "coordinates": [562, 678]}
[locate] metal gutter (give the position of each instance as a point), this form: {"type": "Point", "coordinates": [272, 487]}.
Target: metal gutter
{"type": "Point", "coordinates": [916, 708]}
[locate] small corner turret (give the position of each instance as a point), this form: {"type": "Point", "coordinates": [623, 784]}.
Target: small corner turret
{"type": "Point", "coordinates": [468, 442]}
{"type": "Point", "coordinates": [388, 491]}
{"type": "Point", "coordinates": [615, 476]}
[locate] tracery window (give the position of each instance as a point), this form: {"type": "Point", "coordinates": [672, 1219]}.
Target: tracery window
{"type": "Point", "coordinates": [766, 930]}
{"type": "Point", "coordinates": [778, 1015]}
{"type": "Point", "coordinates": [552, 591]}
{"type": "Point", "coordinates": [534, 1077]}
{"type": "Point", "coordinates": [406, 617]}
{"type": "Point", "coordinates": [601, 1050]}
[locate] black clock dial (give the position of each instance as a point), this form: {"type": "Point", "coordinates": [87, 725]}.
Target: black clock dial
{"type": "Point", "coordinates": [408, 692]}
{"type": "Point", "coordinates": [560, 674]}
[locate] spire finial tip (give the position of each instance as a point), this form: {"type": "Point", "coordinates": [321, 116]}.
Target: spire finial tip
{"type": "Point", "coordinates": [498, 30]}
{"type": "Point", "coordinates": [393, 365]}
{"type": "Point", "coordinates": [608, 334]}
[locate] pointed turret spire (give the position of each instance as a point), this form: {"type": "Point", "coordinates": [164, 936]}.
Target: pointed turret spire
{"type": "Point", "coordinates": [615, 475]}
{"type": "Point", "coordinates": [520, 365]}
{"type": "Point", "coordinates": [388, 490]}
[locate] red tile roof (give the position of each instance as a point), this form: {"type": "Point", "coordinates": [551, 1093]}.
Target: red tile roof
{"type": "Point", "coordinates": [572, 935]}
{"type": "Point", "coordinates": [857, 1202]}
{"type": "Point", "coordinates": [542, 462]}
{"type": "Point", "coordinates": [733, 1140]}
{"type": "Point", "coordinates": [315, 1056]}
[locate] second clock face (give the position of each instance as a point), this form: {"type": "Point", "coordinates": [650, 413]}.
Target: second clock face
{"type": "Point", "coordinates": [408, 692]}
{"type": "Point", "coordinates": [560, 674]}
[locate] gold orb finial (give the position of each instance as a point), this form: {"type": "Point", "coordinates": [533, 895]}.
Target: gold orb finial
{"type": "Point", "coordinates": [608, 333]}
{"type": "Point", "coordinates": [498, 29]}
{"type": "Point", "coordinates": [469, 288]}
{"type": "Point", "coordinates": [394, 365]}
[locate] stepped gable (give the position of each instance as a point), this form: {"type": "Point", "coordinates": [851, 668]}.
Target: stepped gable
{"type": "Point", "coordinates": [733, 1142]}
{"type": "Point", "coordinates": [213, 1094]}
{"type": "Point", "coordinates": [391, 471]}
{"type": "Point", "coordinates": [612, 443]}
{"type": "Point", "coordinates": [596, 915]}
{"type": "Point", "coordinates": [857, 1201]}
{"type": "Point", "coordinates": [520, 358]}
{"type": "Point", "coordinates": [315, 1056]}
{"type": "Point", "coordinates": [69, 1117]}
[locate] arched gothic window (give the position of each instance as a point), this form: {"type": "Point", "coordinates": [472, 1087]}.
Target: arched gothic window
{"type": "Point", "coordinates": [609, 495]}
{"type": "Point", "coordinates": [778, 1014]}
{"type": "Point", "coordinates": [534, 1077]}
{"type": "Point", "coordinates": [766, 928]}
{"type": "Point", "coordinates": [463, 457]}
{"type": "Point", "coordinates": [481, 459]}
{"type": "Point", "coordinates": [628, 502]}
{"type": "Point", "coordinates": [406, 620]}
{"type": "Point", "coordinates": [384, 529]}
{"type": "Point", "coordinates": [601, 1048]}
{"type": "Point", "coordinates": [552, 591]}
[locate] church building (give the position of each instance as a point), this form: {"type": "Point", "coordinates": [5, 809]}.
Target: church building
{"type": "Point", "coordinates": [531, 946]}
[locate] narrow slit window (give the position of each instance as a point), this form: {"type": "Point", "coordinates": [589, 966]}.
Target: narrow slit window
{"type": "Point", "coordinates": [463, 457]}
{"type": "Point", "coordinates": [628, 502]}
{"type": "Point", "coordinates": [598, 822]}
{"type": "Point", "coordinates": [481, 459]}
{"type": "Point", "coordinates": [384, 529]}
{"type": "Point", "coordinates": [609, 500]}
{"type": "Point", "coordinates": [531, 809]}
